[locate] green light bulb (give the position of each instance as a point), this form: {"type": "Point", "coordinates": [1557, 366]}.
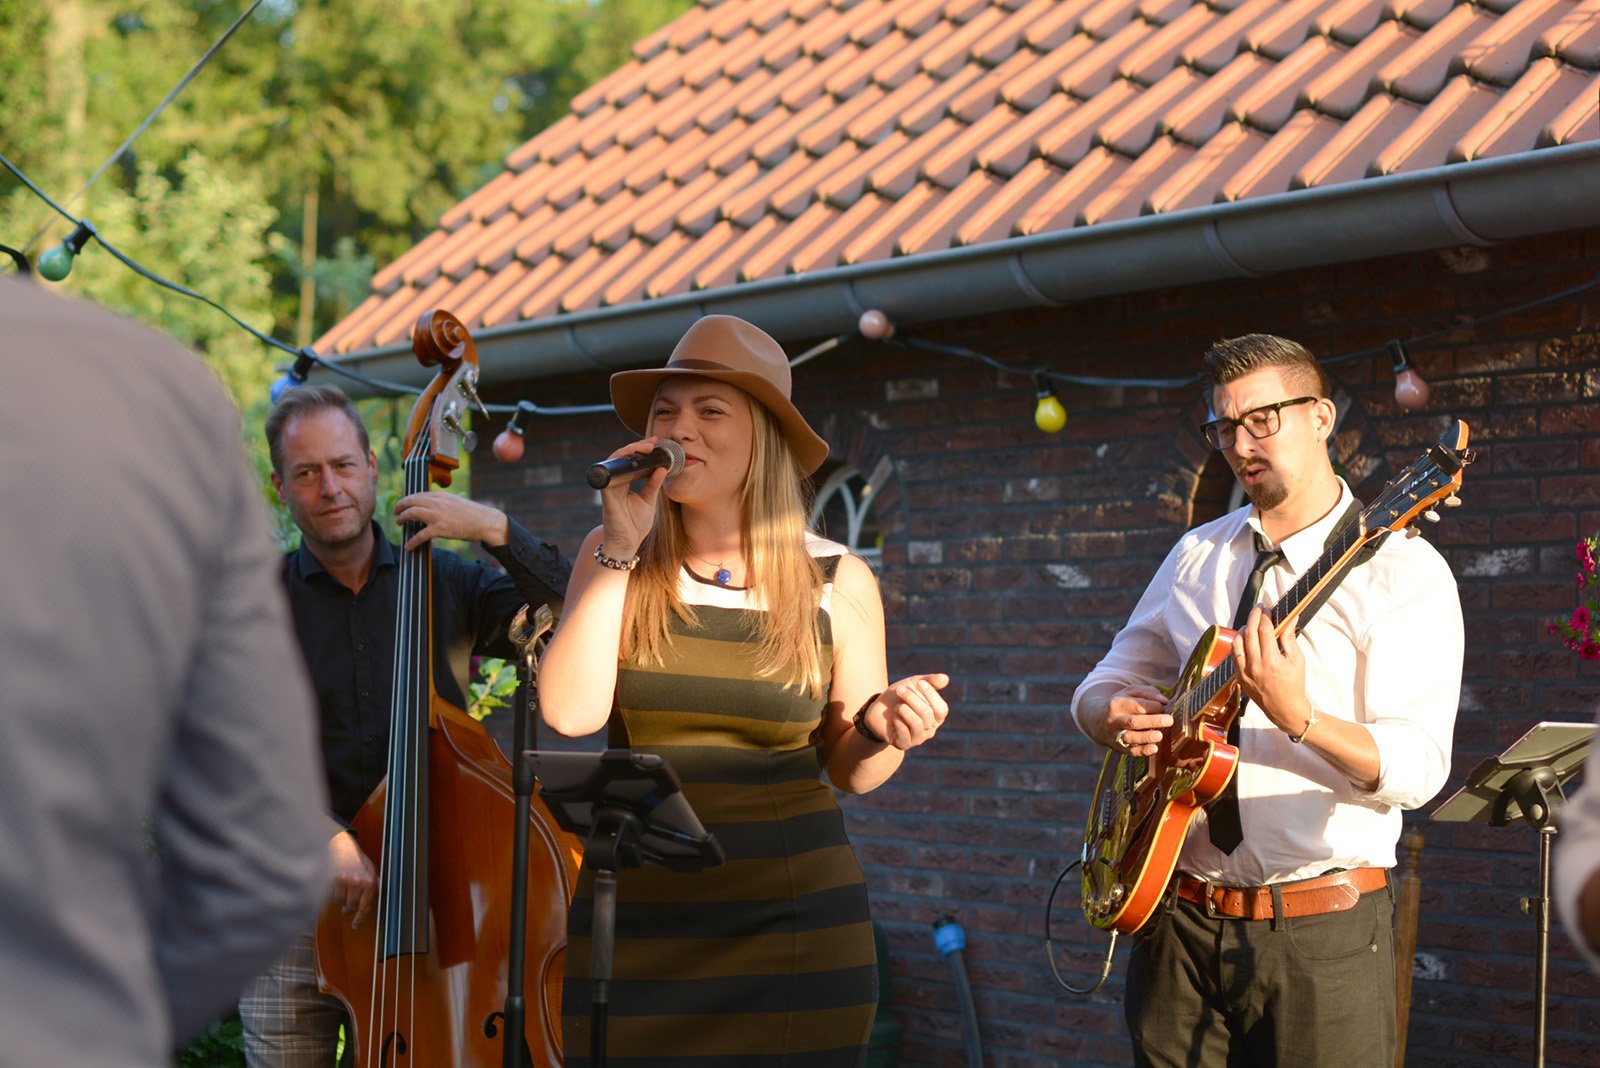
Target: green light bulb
{"type": "Point", "coordinates": [1048, 414]}
{"type": "Point", "coordinates": [55, 263]}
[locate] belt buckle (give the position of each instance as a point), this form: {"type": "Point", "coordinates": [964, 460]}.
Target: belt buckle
{"type": "Point", "coordinates": [1209, 902]}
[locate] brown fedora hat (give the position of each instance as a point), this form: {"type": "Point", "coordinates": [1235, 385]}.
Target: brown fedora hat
{"type": "Point", "coordinates": [729, 350]}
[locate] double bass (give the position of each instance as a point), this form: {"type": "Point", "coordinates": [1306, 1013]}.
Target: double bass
{"type": "Point", "coordinates": [425, 985]}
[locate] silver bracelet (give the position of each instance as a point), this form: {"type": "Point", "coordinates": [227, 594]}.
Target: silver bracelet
{"type": "Point", "coordinates": [616, 565]}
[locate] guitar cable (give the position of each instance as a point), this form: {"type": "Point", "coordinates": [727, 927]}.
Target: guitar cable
{"type": "Point", "coordinates": [1049, 949]}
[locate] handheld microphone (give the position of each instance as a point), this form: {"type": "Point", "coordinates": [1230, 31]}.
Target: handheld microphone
{"type": "Point", "coordinates": [667, 453]}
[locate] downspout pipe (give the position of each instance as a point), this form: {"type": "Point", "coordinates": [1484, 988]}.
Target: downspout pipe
{"type": "Point", "coordinates": [1476, 203]}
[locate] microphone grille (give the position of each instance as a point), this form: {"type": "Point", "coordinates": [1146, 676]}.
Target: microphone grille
{"type": "Point", "coordinates": [674, 453]}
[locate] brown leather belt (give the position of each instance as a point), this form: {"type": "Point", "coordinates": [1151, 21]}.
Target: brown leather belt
{"type": "Point", "coordinates": [1334, 892]}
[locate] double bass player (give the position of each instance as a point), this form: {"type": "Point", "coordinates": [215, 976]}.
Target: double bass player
{"type": "Point", "coordinates": [342, 585]}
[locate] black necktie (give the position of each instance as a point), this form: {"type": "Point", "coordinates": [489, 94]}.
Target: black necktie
{"type": "Point", "coordinates": [1223, 813]}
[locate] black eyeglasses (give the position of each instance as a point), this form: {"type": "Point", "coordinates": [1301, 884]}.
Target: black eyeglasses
{"type": "Point", "coordinates": [1262, 422]}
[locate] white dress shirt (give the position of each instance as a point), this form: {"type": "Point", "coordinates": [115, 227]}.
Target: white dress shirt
{"type": "Point", "coordinates": [1384, 650]}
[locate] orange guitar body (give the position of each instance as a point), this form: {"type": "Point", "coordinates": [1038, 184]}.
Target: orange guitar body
{"type": "Point", "coordinates": [1130, 859]}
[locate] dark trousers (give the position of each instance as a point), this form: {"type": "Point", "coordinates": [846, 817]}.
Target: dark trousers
{"type": "Point", "coordinates": [1302, 992]}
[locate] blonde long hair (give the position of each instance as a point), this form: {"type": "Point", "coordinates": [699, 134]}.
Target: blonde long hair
{"type": "Point", "coordinates": [780, 572]}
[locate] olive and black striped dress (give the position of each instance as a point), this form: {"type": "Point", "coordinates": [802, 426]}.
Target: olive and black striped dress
{"type": "Point", "coordinates": [768, 959]}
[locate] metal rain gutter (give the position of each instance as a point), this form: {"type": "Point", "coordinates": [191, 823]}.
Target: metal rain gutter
{"type": "Point", "coordinates": [1475, 203]}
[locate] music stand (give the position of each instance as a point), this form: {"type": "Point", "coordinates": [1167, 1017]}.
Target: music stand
{"type": "Point", "coordinates": [1524, 782]}
{"type": "Point", "coordinates": [630, 808]}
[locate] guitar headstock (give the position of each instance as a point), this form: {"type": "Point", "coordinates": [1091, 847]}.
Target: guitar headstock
{"type": "Point", "coordinates": [1433, 478]}
{"type": "Point", "coordinates": [440, 338]}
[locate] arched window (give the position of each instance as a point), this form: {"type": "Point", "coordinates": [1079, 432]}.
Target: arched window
{"type": "Point", "coordinates": [842, 511]}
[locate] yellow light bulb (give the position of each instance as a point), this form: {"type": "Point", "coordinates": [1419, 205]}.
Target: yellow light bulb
{"type": "Point", "coordinates": [1048, 414]}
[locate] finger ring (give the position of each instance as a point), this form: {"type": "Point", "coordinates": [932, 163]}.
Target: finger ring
{"type": "Point", "coordinates": [1122, 743]}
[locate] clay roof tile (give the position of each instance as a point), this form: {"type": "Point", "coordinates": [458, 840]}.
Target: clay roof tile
{"type": "Point", "coordinates": [1515, 122]}
{"type": "Point", "coordinates": [826, 245]}
{"type": "Point", "coordinates": [1267, 102]}
{"type": "Point", "coordinates": [1348, 153]}
{"type": "Point", "coordinates": [1501, 54]}
{"type": "Point", "coordinates": [1285, 29]}
{"type": "Point", "coordinates": [1201, 113]}
{"type": "Point", "coordinates": [994, 218]}
{"type": "Point", "coordinates": [937, 227]}
{"type": "Point", "coordinates": [1426, 141]}
{"type": "Point", "coordinates": [1575, 38]}
{"type": "Point", "coordinates": [1343, 85]}
{"type": "Point", "coordinates": [1578, 121]}
{"type": "Point", "coordinates": [1272, 168]}
{"type": "Point", "coordinates": [1125, 196]}
{"type": "Point", "coordinates": [1199, 181]}
{"type": "Point", "coordinates": [1010, 150]}
{"type": "Point", "coordinates": [1058, 208]}
{"type": "Point", "coordinates": [950, 166]}
{"type": "Point", "coordinates": [1420, 71]}
{"type": "Point", "coordinates": [721, 264]}
{"type": "Point", "coordinates": [877, 239]}
{"type": "Point", "coordinates": [1157, 54]}
{"type": "Point", "coordinates": [1349, 21]}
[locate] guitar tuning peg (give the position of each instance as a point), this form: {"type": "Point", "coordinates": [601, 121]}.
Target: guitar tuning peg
{"type": "Point", "coordinates": [1431, 516]}
{"type": "Point", "coordinates": [1452, 501]}
{"type": "Point", "coordinates": [1412, 531]}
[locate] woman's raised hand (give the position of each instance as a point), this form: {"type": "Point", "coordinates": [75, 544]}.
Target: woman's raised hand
{"type": "Point", "coordinates": [627, 516]}
{"type": "Point", "coordinates": [913, 710]}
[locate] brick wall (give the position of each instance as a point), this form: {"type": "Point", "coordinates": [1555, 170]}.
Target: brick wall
{"type": "Point", "coordinates": [1011, 558]}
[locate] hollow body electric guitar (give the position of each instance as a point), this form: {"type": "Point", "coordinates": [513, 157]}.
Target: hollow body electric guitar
{"type": "Point", "coordinates": [1143, 806]}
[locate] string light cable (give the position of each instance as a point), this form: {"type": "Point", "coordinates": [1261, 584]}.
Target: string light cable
{"type": "Point", "coordinates": [874, 325]}
{"type": "Point", "coordinates": [148, 119]}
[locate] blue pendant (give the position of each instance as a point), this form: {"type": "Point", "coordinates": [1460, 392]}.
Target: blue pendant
{"type": "Point", "coordinates": [724, 576]}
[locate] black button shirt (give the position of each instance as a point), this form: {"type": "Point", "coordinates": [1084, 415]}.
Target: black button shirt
{"type": "Point", "coordinates": [348, 641]}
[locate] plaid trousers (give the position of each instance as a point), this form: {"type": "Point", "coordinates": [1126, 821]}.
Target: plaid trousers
{"type": "Point", "coordinates": [288, 1022]}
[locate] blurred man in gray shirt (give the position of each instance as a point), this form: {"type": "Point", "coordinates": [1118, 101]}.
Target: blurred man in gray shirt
{"type": "Point", "coordinates": [161, 828]}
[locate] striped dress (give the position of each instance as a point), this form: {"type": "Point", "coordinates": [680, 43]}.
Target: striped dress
{"type": "Point", "coordinates": [767, 960]}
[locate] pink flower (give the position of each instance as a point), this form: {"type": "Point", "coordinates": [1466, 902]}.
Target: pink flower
{"type": "Point", "coordinates": [1550, 628]}
{"type": "Point", "coordinates": [1590, 651]}
{"type": "Point", "coordinates": [1580, 619]}
{"type": "Point", "coordinates": [1586, 557]}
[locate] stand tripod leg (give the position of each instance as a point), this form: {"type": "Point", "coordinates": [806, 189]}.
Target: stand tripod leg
{"type": "Point", "coordinates": [1542, 974]}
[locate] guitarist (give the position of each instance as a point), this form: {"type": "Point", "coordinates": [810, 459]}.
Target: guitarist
{"type": "Point", "coordinates": [1274, 943]}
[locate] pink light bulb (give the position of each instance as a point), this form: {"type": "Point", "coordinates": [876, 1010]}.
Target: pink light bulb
{"type": "Point", "coordinates": [1410, 391]}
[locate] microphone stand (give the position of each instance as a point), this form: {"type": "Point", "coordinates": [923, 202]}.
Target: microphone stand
{"type": "Point", "coordinates": [529, 639]}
